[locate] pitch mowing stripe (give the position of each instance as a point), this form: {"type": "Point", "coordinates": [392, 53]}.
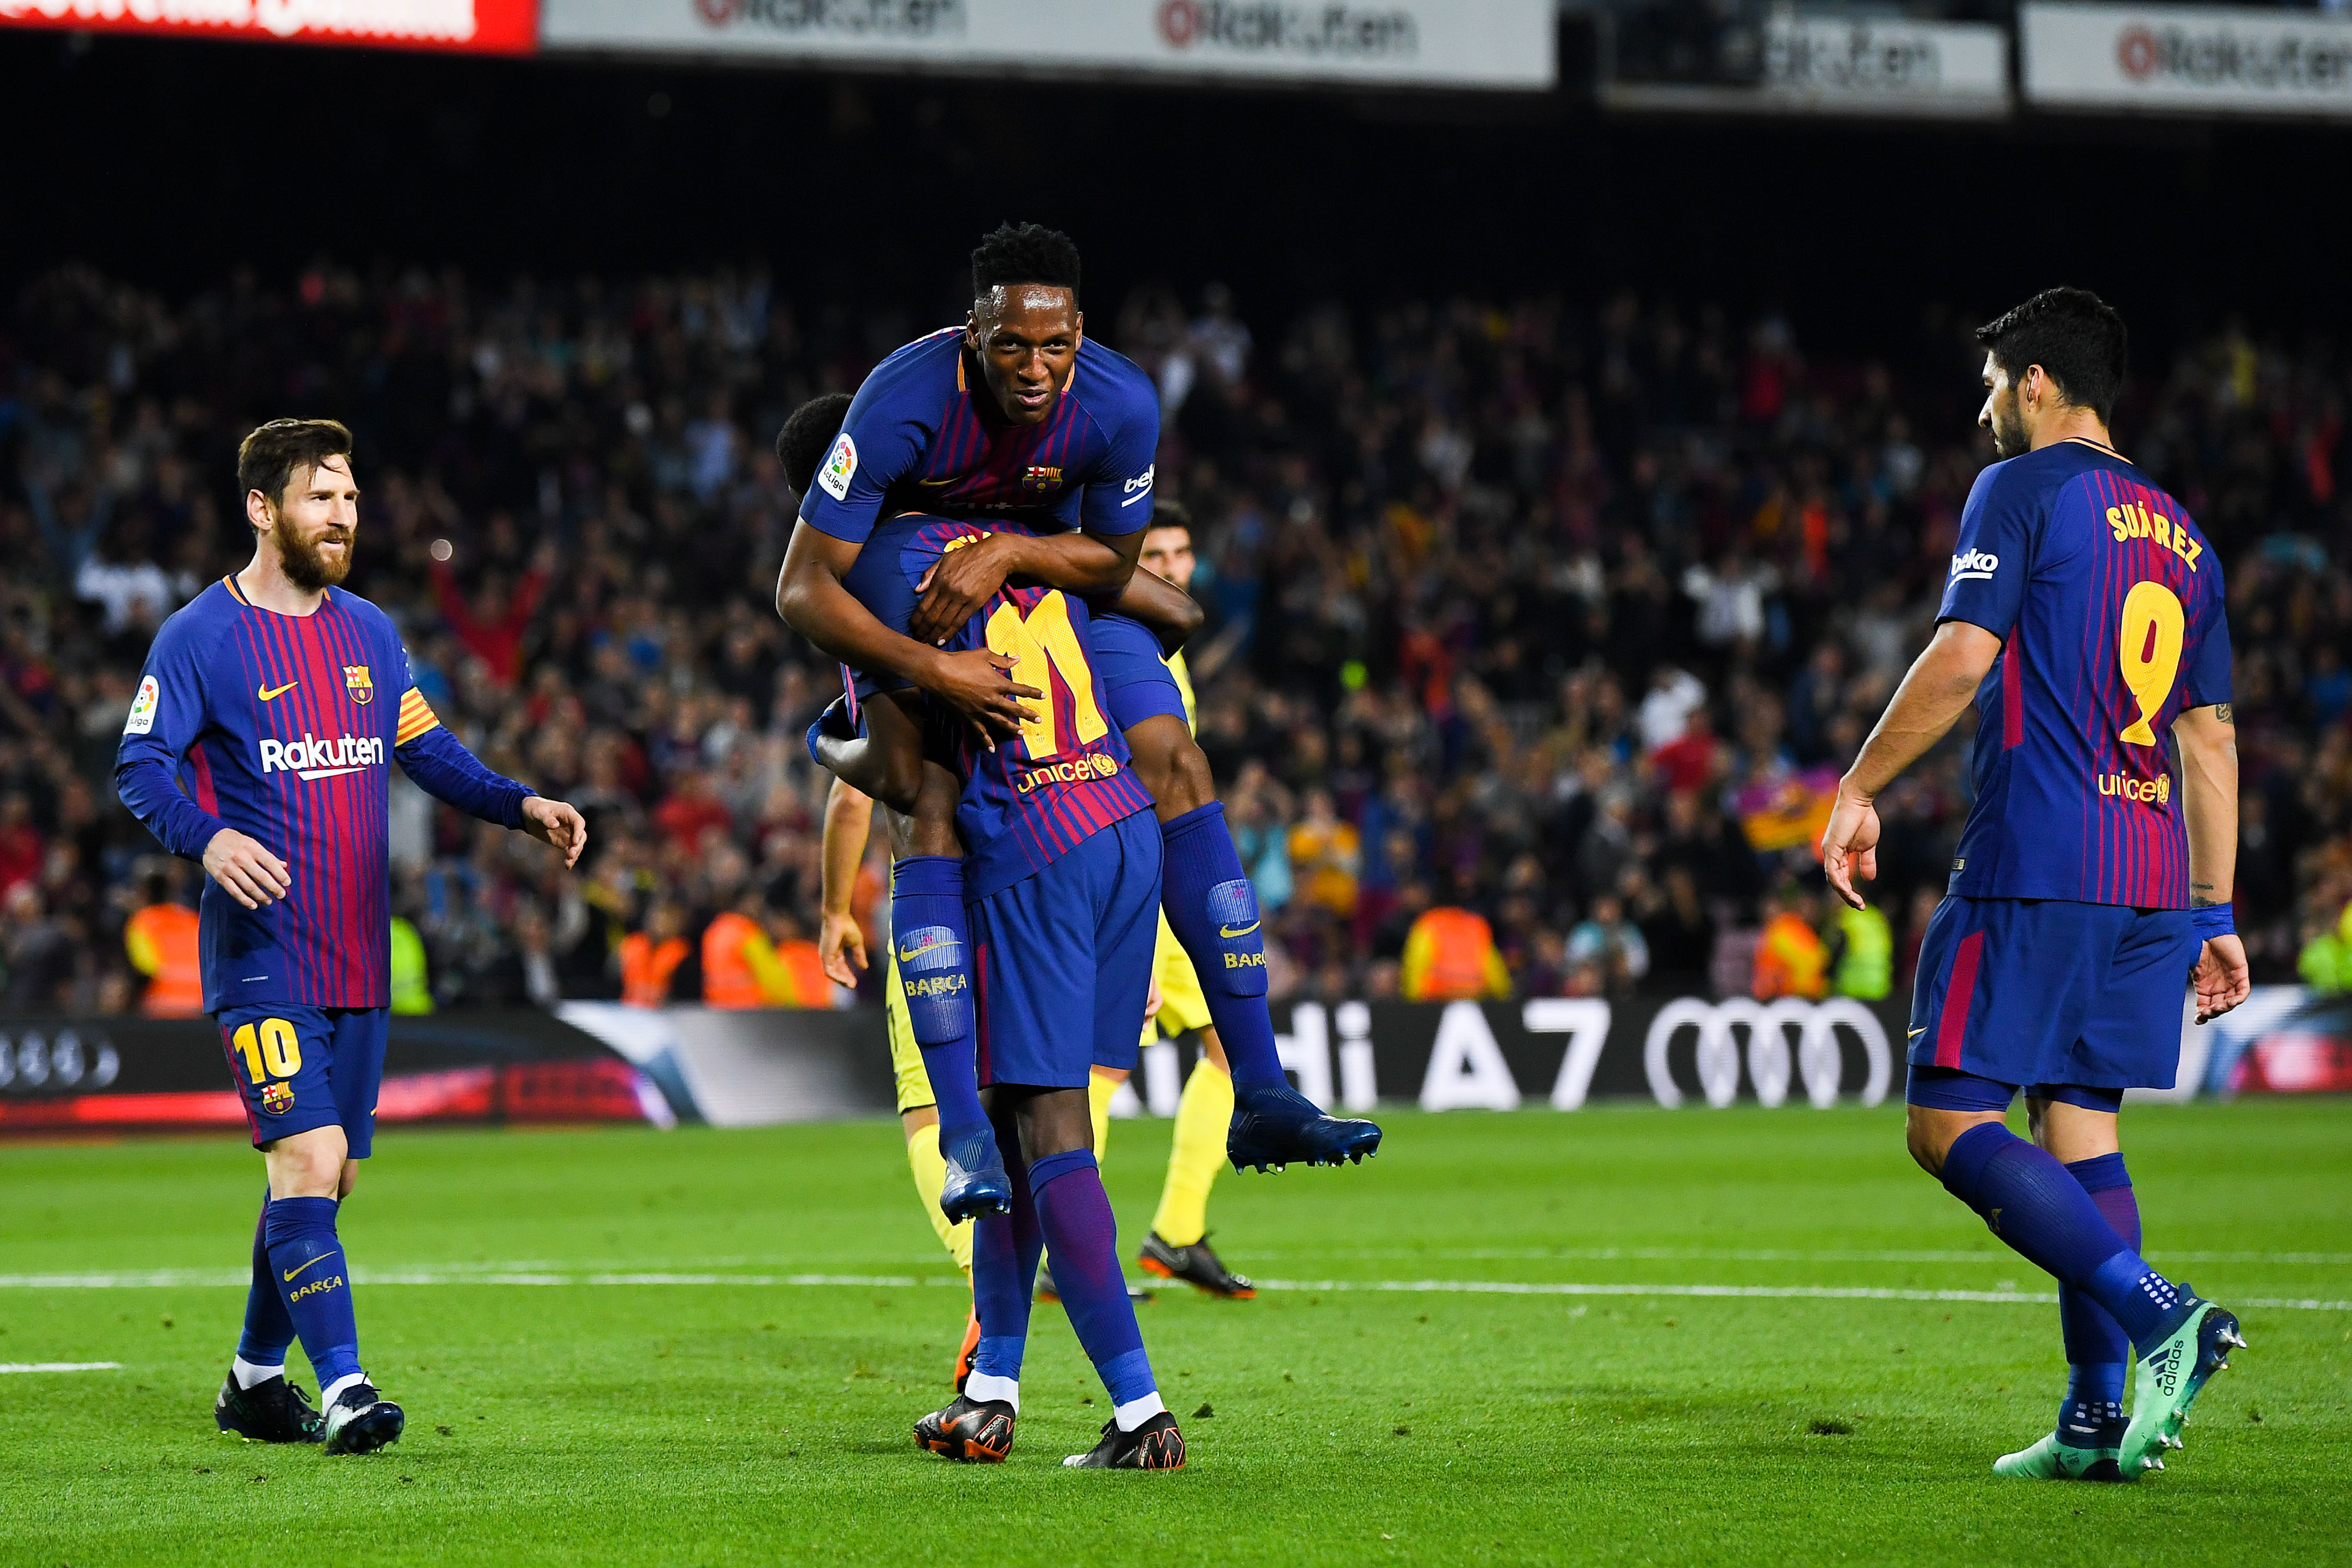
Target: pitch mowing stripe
{"type": "Point", "coordinates": [8, 1366]}
{"type": "Point", "coordinates": [436, 1276]}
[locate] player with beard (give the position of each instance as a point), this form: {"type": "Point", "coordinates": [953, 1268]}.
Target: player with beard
{"type": "Point", "coordinates": [2084, 616]}
{"type": "Point", "coordinates": [258, 744]}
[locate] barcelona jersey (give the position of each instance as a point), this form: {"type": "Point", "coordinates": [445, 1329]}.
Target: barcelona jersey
{"type": "Point", "coordinates": [283, 727]}
{"type": "Point", "coordinates": [1067, 774]}
{"type": "Point", "coordinates": [923, 434]}
{"type": "Point", "coordinates": [2108, 601]}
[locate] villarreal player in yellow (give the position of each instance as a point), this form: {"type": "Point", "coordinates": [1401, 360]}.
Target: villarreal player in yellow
{"type": "Point", "coordinates": [1177, 1247]}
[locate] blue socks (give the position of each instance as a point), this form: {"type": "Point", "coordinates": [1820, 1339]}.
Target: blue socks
{"type": "Point", "coordinates": [1004, 1251]}
{"type": "Point", "coordinates": [929, 938]}
{"type": "Point", "coordinates": [1083, 1239]}
{"type": "Point", "coordinates": [267, 1329]}
{"type": "Point", "coordinates": [1212, 910]}
{"type": "Point", "coordinates": [307, 1263]}
{"type": "Point", "coordinates": [2098, 1355]}
{"type": "Point", "coordinates": [2036, 1207]}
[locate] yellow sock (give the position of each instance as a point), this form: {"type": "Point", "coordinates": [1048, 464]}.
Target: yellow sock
{"type": "Point", "coordinates": [931, 1176]}
{"type": "Point", "coordinates": [1199, 1149]}
{"type": "Point", "coordinates": [1098, 1093]}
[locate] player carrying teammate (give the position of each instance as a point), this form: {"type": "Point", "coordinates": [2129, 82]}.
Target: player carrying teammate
{"type": "Point", "coordinates": [1020, 415]}
{"type": "Point", "coordinates": [262, 695]}
{"type": "Point", "coordinates": [2085, 614]}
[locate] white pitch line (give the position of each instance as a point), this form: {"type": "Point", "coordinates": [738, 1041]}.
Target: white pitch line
{"type": "Point", "coordinates": [1764, 1255]}
{"type": "Point", "coordinates": [431, 1276]}
{"type": "Point", "coordinates": [8, 1366]}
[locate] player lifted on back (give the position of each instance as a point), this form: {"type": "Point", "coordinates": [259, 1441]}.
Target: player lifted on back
{"type": "Point", "coordinates": [262, 694]}
{"type": "Point", "coordinates": [2085, 614]}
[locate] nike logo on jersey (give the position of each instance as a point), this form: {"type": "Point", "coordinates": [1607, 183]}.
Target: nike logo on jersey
{"type": "Point", "coordinates": [272, 693]}
{"type": "Point", "coordinates": [936, 484]}
{"type": "Point", "coordinates": [1916, 1033]}
{"type": "Point", "coordinates": [321, 1258]}
{"type": "Point", "coordinates": [1231, 932]}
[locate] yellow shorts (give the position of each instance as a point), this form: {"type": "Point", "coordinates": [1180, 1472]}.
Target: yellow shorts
{"type": "Point", "coordinates": [906, 1057]}
{"type": "Point", "coordinates": [1181, 1004]}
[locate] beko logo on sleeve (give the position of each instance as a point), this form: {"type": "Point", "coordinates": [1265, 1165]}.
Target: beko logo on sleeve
{"type": "Point", "coordinates": [1974, 567]}
{"type": "Point", "coordinates": [1136, 489]}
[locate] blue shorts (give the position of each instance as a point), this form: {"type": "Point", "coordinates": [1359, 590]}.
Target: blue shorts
{"type": "Point", "coordinates": [1948, 1089]}
{"type": "Point", "coordinates": [1063, 960]}
{"type": "Point", "coordinates": [304, 1067]}
{"type": "Point", "coordinates": [2044, 993]}
{"type": "Point", "coordinates": [1135, 677]}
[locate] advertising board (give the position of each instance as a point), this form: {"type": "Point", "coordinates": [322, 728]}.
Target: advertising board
{"type": "Point", "coordinates": [2186, 59]}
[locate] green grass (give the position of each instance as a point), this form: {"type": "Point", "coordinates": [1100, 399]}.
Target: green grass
{"type": "Point", "coordinates": [741, 1423]}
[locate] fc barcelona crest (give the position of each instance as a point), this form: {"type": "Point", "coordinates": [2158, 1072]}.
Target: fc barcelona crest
{"type": "Point", "coordinates": [1042, 478]}
{"type": "Point", "coordinates": [278, 1099]}
{"type": "Point", "coordinates": [357, 682]}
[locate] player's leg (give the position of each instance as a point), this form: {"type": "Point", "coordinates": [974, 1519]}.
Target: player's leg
{"type": "Point", "coordinates": [2089, 1433]}
{"type": "Point", "coordinates": [1213, 909]}
{"type": "Point", "coordinates": [257, 1401]}
{"type": "Point", "coordinates": [1176, 1245]}
{"type": "Point", "coordinates": [977, 1426]}
{"type": "Point", "coordinates": [2005, 984]}
{"type": "Point", "coordinates": [1082, 1235]}
{"type": "Point", "coordinates": [930, 954]}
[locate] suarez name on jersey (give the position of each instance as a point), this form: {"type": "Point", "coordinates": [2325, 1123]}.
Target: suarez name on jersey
{"type": "Point", "coordinates": [2109, 604]}
{"type": "Point", "coordinates": [282, 727]}
{"type": "Point", "coordinates": [1067, 774]}
{"type": "Point", "coordinates": [923, 434]}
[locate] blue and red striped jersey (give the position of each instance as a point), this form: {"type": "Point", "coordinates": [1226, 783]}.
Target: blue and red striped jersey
{"type": "Point", "coordinates": [282, 727]}
{"type": "Point", "coordinates": [2109, 604]}
{"type": "Point", "coordinates": [923, 434]}
{"type": "Point", "coordinates": [1067, 774]}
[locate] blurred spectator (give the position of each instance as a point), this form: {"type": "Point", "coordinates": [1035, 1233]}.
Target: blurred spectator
{"type": "Point", "coordinates": [1791, 958]}
{"type": "Point", "coordinates": [161, 940]}
{"type": "Point", "coordinates": [412, 986]}
{"type": "Point", "coordinates": [1612, 944]}
{"type": "Point", "coordinates": [2326, 962]}
{"type": "Point", "coordinates": [652, 958]}
{"type": "Point", "coordinates": [1450, 956]}
{"type": "Point", "coordinates": [754, 955]}
{"type": "Point", "coordinates": [1861, 952]}
{"type": "Point", "coordinates": [1475, 569]}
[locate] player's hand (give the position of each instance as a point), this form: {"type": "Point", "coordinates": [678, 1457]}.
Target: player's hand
{"type": "Point", "coordinates": [557, 825]}
{"type": "Point", "coordinates": [2221, 977]}
{"type": "Point", "coordinates": [839, 944]}
{"type": "Point", "coordinates": [980, 687]}
{"type": "Point", "coordinates": [1850, 844]}
{"type": "Point", "coordinates": [253, 876]}
{"type": "Point", "coordinates": [956, 587]}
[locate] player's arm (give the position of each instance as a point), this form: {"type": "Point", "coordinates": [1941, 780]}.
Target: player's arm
{"type": "Point", "coordinates": [2208, 741]}
{"type": "Point", "coordinates": [1166, 611]}
{"type": "Point", "coordinates": [1941, 683]}
{"type": "Point", "coordinates": [166, 716]}
{"type": "Point", "coordinates": [849, 819]}
{"type": "Point", "coordinates": [442, 768]}
{"type": "Point", "coordinates": [977, 684]}
{"type": "Point", "coordinates": [1090, 565]}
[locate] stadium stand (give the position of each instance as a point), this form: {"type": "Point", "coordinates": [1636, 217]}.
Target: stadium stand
{"type": "Point", "coordinates": [1562, 613]}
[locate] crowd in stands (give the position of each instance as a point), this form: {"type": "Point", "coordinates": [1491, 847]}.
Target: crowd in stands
{"type": "Point", "coordinates": [1555, 617]}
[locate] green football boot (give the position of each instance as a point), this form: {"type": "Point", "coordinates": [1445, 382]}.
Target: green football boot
{"type": "Point", "coordinates": [2052, 1460]}
{"type": "Point", "coordinates": [2168, 1379]}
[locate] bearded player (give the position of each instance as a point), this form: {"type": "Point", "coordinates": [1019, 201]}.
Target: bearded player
{"type": "Point", "coordinates": [256, 744]}
{"type": "Point", "coordinates": [2084, 616]}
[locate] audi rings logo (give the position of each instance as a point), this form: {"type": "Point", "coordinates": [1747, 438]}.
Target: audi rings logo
{"type": "Point", "coordinates": [34, 1062]}
{"type": "Point", "coordinates": [1819, 1063]}
{"type": "Point", "coordinates": [2138, 53]}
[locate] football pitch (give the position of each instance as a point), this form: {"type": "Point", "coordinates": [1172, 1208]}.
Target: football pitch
{"type": "Point", "coordinates": [1616, 1336]}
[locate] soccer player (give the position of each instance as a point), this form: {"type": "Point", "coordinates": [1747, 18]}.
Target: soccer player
{"type": "Point", "coordinates": [1063, 875]}
{"type": "Point", "coordinates": [1018, 415]}
{"type": "Point", "coordinates": [262, 695]}
{"type": "Point", "coordinates": [2084, 616]}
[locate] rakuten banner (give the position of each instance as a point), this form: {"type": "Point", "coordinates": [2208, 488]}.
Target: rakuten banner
{"type": "Point", "coordinates": [2176, 60]}
{"type": "Point", "coordinates": [1882, 66]}
{"type": "Point", "coordinates": [470, 26]}
{"type": "Point", "coordinates": [1477, 44]}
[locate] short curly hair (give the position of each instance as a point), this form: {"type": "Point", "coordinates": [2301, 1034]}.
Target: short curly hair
{"type": "Point", "coordinates": [2073, 335]}
{"type": "Point", "coordinates": [806, 437]}
{"type": "Point", "coordinates": [268, 458]}
{"type": "Point", "coordinates": [1025, 253]}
